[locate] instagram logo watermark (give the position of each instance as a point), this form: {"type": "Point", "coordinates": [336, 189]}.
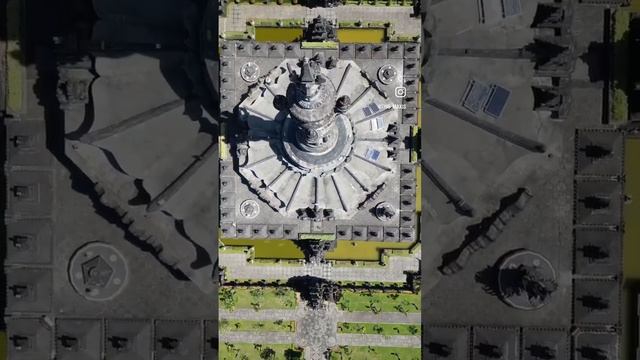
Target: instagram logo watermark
{"type": "Point", "coordinates": [401, 91]}
{"type": "Point", "coordinates": [396, 106]}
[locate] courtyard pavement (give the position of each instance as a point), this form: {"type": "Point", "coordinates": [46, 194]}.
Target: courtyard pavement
{"type": "Point", "coordinates": [237, 267]}
{"type": "Point", "coordinates": [400, 16]}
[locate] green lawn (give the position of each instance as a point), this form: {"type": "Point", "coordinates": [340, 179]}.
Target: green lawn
{"type": "Point", "coordinates": [375, 353]}
{"type": "Point", "coordinates": [251, 325]}
{"type": "Point", "coordinates": [242, 351]}
{"type": "Point", "coordinates": [345, 250]}
{"type": "Point", "coordinates": [621, 18]}
{"type": "Point", "coordinates": [381, 329]}
{"type": "Point", "coordinates": [256, 298]}
{"type": "Point", "coordinates": [620, 105]}
{"type": "Point", "coordinates": [379, 302]}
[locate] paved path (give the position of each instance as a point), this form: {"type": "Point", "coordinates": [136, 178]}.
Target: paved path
{"type": "Point", "coordinates": [317, 330]}
{"type": "Point", "coordinates": [378, 340]}
{"type": "Point", "coordinates": [237, 268]}
{"type": "Point", "coordinates": [403, 22]}
{"type": "Point", "coordinates": [255, 337]}
{"type": "Point", "coordinates": [260, 315]}
{"type": "Point", "coordinates": [384, 317]}
{"type": "Point", "coordinates": [393, 272]}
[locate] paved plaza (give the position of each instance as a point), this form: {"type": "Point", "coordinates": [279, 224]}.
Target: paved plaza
{"type": "Point", "coordinates": [396, 270]}
{"type": "Point", "coordinates": [240, 15]}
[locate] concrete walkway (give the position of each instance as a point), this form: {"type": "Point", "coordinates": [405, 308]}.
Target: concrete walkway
{"type": "Point", "coordinates": [378, 340]}
{"type": "Point", "coordinates": [380, 318]}
{"type": "Point", "coordinates": [260, 315]}
{"type": "Point", "coordinates": [400, 16]}
{"type": "Point", "coordinates": [237, 268]}
{"type": "Point", "coordinates": [316, 330]}
{"type": "Point", "coordinates": [255, 337]}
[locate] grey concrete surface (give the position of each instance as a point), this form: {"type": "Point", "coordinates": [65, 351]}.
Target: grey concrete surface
{"type": "Point", "coordinates": [260, 315]}
{"type": "Point", "coordinates": [253, 337]}
{"type": "Point", "coordinates": [376, 340]}
{"type": "Point", "coordinates": [237, 267]}
{"type": "Point", "coordinates": [483, 168]}
{"type": "Point", "coordinates": [383, 317]}
{"type": "Point", "coordinates": [239, 15]}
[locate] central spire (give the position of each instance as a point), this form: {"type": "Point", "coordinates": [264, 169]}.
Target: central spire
{"type": "Point", "coordinates": [313, 110]}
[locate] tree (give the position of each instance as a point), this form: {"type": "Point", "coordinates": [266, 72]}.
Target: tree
{"type": "Point", "coordinates": [280, 291]}
{"type": "Point", "coordinates": [413, 329]}
{"type": "Point", "coordinates": [401, 309]}
{"type": "Point", "coordinates": [528, 280]}
{"type": "Point", "coordinates": [228, 298]}
{"type": "Point", "coordinates": [257, 292]}
{"type": "Point", "coordinates": [374, 307]}
{"type": "Point", "coordinates": [378, 329]}
{"type": "Point", "coordinates": [291, 354]}
{"type": "Point", "coordinates": [268, 354]}
{"type": "Point", "coordinates": [256, 305]}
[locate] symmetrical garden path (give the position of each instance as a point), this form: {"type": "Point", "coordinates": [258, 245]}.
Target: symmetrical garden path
{"type": "Point", "coordinates": [316, 329]}
{"type": "Point", "coordinates": [237, 267]}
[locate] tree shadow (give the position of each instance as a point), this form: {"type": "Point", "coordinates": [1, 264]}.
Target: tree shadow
{"type": "Point", "coordinates": [41, 47]}
{"type": "Point", "coordinates": [488, 278]}
{"type": "Point", "coordinates": [439, 350]}
{"type": "Point", "coordinates": [596, 61]}
{"type": "Point", "coordinates": [476, 230]}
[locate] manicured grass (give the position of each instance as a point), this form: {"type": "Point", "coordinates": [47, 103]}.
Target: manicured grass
{"type": "Point", "coordinates": [243, 351]}
{"type": "Point", "coordinates": [620, 104]}
{"type": "Point", "coordinates": [345, 250]}
{"type": "Point", "coordinates": [256, 298]}
{"type": "Point", "coordinates": [363, 250]}
{"type": "Point", "coordinates": [622, 18]}
{"type": "Point", "coordinates": [269, 249]}
{"type": "Point", "coordinates": [234, 249]}
{"type": "Point", "coordinates": [235, 35]}
{"type": "Point", "coordinates": [379, 329]}
{"type": "Point", "coordinates": [375, 353]}
{"type": "Point", "coordinates": [14, 56]}
{"type": "Point", "coordinates": [619, 107]}
{"type": "Point", "coordinates": [276, 34]}
{"type": "Point", "coordinates": [251, 325]}
{"type": "Point", "coordinates": [368, 36]}
{"type": "Point", "coordinates": [379, 302]}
